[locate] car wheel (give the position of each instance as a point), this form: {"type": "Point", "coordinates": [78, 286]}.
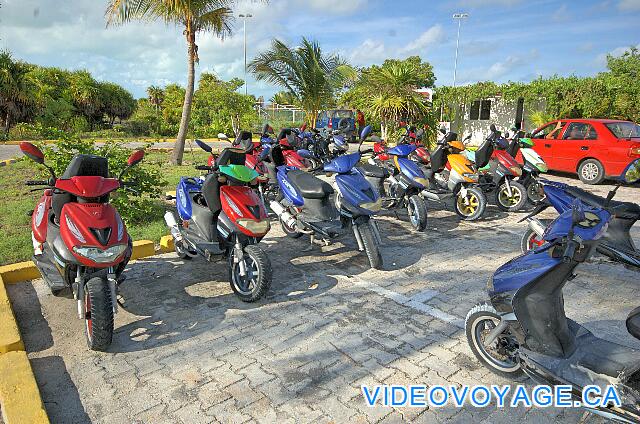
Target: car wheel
{"type": "Point", "coordinates": [591, 171]}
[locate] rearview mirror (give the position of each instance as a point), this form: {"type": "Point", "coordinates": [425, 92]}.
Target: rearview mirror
{"type": "Point", "coordinates": [577, 211]}
{"type": "Point", "coordinates": [32, 152]}
{"type": "Point", "coordinates": [135, 158]}
{"type": "Point", "coordinates": [443, 130]}
{"type": "Point", "coordinates": [264, 153]}
{"type": "Point", "coordinates": [492, 127]}
{"type": "Point", "coordinates": [631, 174]}
{"type": "Point", "coordinates": [303, 127]}
{"type": "Point", "coordinates": [365, 132]}
{"type": "Point", "coordinates": [222, 136]}
{"type": "Point", "coordinates": [205, 146]}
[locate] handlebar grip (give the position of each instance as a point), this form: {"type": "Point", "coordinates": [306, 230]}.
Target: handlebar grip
{"type": "Point", "coordinates": [36, 182]}
{"type": "Point", "coordinates": [203, 168]}
{"type": "Point", "coordinates": [569, 251]}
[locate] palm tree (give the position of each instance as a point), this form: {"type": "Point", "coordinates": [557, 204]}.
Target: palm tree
{"type": "Point", "coordinates": [156, 96]}
{"type": "Point", "coordinates": [16, 92]}
{"type": "Point", "coordinates": [304, 71]}
{"type": "Point", "coordinates": [392, 94]}
{"type": "Point", "coordinates": [193, 16]}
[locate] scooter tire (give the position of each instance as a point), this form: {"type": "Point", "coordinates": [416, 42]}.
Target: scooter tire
{"type": "Point", "coordinates": [418, 208]}
{"type": "Point", "coordinates": [99, 314]}
{"type": "Point", "coordinates": [370, 245]}
{"type": "Point", "coordinates": [480, 208]}
{"type": "Point", "coordinates": [525, 241]}
{"type": "Point", "coordinates": [181, 252]}
{"type": "Point", "coordinates": [522, 197]}
{"type": "Point", "coordinates": [533, 192]}
{"type": "Point", "coordinates": [262, 281]}
{"type": "Point", "coordinates": [478, 314]}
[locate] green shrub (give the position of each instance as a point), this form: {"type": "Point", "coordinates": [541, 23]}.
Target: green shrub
{"type": "Point", "coordinates": [134, 208]}
{"type": "Point", "coordinates": [35, 131]}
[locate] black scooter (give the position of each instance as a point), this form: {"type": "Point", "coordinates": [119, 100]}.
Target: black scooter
{"type": "Point", "coordinates": [525, 329]}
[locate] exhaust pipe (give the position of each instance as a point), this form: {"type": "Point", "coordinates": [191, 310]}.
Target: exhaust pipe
{"type": "Point", "coordinates": [536, 226]}
{"type": "Point", "coordinates": [171, 222]}
{"type": "Point", "coordinates": [282, 213]}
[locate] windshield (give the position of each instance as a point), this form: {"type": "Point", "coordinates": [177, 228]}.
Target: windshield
{"type": "Point", "coordinates": [624, 129]}
{"type": "Point", "coordinates": [343, 114]}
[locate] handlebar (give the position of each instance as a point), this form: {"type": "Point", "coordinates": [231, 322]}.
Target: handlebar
{"type": "Point", "coordinates": [203, 168]}
{"type": "Point", "coordinates": [36, 182]}
{"type": "Point", "coordinates": [570, 251]}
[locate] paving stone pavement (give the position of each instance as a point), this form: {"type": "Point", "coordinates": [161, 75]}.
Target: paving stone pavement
{"type": "Point", "coordinates": [186, 350]}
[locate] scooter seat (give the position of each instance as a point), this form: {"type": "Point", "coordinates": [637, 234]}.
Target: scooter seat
{"type": "Point", "coordinates": [308, 185]}
{"type": "Point", "coordinates": [622, 209]}
{"type": "Point", "coordinates": [633, 323]}
{"type": "Point", "coordinates": [374, 171]}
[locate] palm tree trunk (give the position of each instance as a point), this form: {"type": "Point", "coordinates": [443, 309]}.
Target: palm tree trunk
{"type": "Point", "coordinates": [178, 148]}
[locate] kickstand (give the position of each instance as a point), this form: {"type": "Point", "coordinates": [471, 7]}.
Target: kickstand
{"type": "Point", "coordinates": [310, 248]}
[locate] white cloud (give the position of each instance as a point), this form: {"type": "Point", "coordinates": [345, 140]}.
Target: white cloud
{"type": "Point", "coordinates": [488, 3]}
{"type": "Point", "coordinates": [336, 7]}
{"type": "Point", "coordinates": [601, 59]}
{"type": "Point", "coordinates": [370, 51]}
{"type": "Point", "coordinates": [629, 5]}
{"type": "Point", "coordinates": [432, 36]}
{"type": "Point", "coordinates": [501, 68]}
{"type": "Point", "coordinates": [561, 14]}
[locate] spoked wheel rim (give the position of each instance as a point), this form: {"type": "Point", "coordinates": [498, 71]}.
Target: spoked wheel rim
{"type": "Point", "coordinates": [590, 171]}
{"type": "Point", "coordinates": [247, 284]}
{"type": "Point", "coordinates": [535, 192]}
{"type": "Point", "coordinates": [88, 321]}
{"type": "Point", "coordinates": [495, 352]}
{"type": "Point", "coordinates": [469, 208]}
{"type": "Point", "coordinates": [510, 201]}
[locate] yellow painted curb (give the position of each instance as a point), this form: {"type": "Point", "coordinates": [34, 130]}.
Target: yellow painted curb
{"type": "Point", "coordinates": [22, 271]}
{"type": "Point", "coordinates": [19, 396]}
{"type": "Point", "coordinates": [142, 248]}
{"type": "Point", "coordinates": [7, 162]}
{"type": "Point", "coordinates": [166, 244]}
{"type": "Point", "coordinates": [10, 339]}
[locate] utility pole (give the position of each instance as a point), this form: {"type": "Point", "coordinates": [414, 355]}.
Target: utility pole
{"type": "Point", "coordinates": [459, 17]}
{"type": "Point", "coordinates": [244, 17]}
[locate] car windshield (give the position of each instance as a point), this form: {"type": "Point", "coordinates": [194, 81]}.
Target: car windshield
{"type": "Point", "coordinates": [624, 129]}
{"type": "Point", "coordinates": [343, 114]}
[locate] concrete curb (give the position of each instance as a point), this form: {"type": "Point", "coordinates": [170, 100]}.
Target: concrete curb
{"type": "Point", "coordinates": [20, 399]}
{"type": "Point", "coordinates": [7, 162]}
{"type": "Point", "coordinates": [10, 339]}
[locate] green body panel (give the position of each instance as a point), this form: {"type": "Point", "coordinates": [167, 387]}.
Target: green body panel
{"type": "Point", "coordinates": [526, 142]}
{"type": "Point", "coordinates": [239, 172]}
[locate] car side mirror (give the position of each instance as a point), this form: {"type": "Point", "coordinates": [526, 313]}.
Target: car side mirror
{"type": "Point", "coordinates": [32, 152]}
{"type": "Point", "coordinates": [631, 174]}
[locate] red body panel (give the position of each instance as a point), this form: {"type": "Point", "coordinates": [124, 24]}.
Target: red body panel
{"type": "Point", "coordinates": [504, 158]}
{"type": "Point", "coordinates": [251, 161]}
{"type": "Point", "coordinates": [91, 215]}
{"type": "Point", "coordinates": [292, 158]}
{"type": "Point", "coordinates": [40, 217]}
{"type": "Point", "coordinates": [562, 153]}
{"type": "Point", "coordinates": [423, 154]}
{"type": "Point", "coordinates": [243, 197]}
{"type": "Point", "coordinates": [88, 186]}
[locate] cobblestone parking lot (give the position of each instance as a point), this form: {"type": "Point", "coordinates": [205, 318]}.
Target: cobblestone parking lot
{"type": "Point", "coordinates": [187, 350]}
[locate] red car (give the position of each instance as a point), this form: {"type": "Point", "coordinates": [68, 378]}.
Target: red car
{"type": "Point", "coordinates": [593, 148]}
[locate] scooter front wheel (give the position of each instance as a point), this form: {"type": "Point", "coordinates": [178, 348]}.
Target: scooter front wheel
{"type": "Point", "coordinates": [513, 202]}
{"type": "Point", "coordinates": [370, 245]}
{"type": "Point", "coordinates": [497, 357]}
{"type": "Point", "coordinates": [535, 193]}
{"type": "Point", "coordinates": [257, 279]}
{"type": "Point", "coordinates": [417, 210]}
{"type": "Point", "coordinates": [471, 205]}
{"type": "Point", "coordinates": [98, 316]}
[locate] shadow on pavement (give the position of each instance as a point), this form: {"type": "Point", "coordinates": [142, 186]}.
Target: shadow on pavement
{"type": "Point", "coordinates": [34, 328]}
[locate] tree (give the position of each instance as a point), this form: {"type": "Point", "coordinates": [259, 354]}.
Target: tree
{"type": "Point", "coordinates": [16, 100]}
{"type": "Point", "coordinates": [311, 76]}
{"type": "Point", "coordinates": [156, 96]}
{"type": "Point", "coordinates": [388, 91]}
{"type": "Point", "coordinates": [193, 16]}
{"type": "Point", "coordinates": [284, 98]}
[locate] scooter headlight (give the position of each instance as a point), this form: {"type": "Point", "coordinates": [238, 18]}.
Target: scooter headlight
{"type": "Point", "coordinates": [232, 205]}
{"type": "Point", "coordinates": [101, 256]}
{"type": "Point", "coordinates": [515, 170]}
{"type": "Point", "coordinates": [256, 227]}
{"type": "Point", "coordinates": [372, 206]}
{"type": "Point", "coordinates": [471, 177]}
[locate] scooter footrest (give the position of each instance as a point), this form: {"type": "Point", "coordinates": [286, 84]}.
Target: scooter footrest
{"type": "Point", "coordinates": [210, 248]}
{"type": "Point", "coordinates": [49, 272]}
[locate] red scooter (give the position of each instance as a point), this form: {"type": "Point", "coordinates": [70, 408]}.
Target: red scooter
{"type": "Point", "coordinates": [79, 240]}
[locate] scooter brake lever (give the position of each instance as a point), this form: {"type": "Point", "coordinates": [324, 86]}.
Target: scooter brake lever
{"type": "Point", "coordinates": [535, 212]}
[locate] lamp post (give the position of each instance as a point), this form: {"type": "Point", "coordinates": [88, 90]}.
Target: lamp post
{"type": "Point", "coordinates": [459, 17]}
{"type": "Point", "coordinates": [244, 17]}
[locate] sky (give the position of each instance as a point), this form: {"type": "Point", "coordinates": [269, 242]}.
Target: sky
{"type": "Point", "coordinates": [501, 40]}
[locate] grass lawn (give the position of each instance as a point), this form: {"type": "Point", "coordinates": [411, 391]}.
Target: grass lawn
{"type": "Point", "coordinates": [15, 224]}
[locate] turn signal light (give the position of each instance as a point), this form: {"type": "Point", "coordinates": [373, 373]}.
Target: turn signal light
{"type": "Point", "coordinates": [635, 151]}
{"type": "Point", "coordinates": [515, 170]}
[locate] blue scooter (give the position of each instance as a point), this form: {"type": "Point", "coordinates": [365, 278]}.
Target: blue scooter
{"type": "Point", "coordinates": [616, 244]}
{"type": "Point", "coordinates": [524, 328]}
{"type": "Point", "coordinates": [305, 205]}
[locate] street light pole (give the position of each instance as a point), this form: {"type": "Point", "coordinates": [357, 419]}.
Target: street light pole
{"type": "Point", "coordinates": [244, 34]}
{"type": "Point", "coordinates": [459, 17]}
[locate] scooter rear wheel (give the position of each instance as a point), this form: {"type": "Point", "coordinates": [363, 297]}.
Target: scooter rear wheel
{"type": "Point", "coordinates": [256, 283]}
{"type": "Point", "coordinates": [480, 320]}
{"type": "Point", "coordinates": [98, 314]}
{"type": "Point", "coordinates": [535, 193]}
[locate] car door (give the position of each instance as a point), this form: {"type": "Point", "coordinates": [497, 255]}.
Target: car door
{"type": "Point", "coordinates": [545, 142]}
{"type": "Point", "coordinates": [578, 141]}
